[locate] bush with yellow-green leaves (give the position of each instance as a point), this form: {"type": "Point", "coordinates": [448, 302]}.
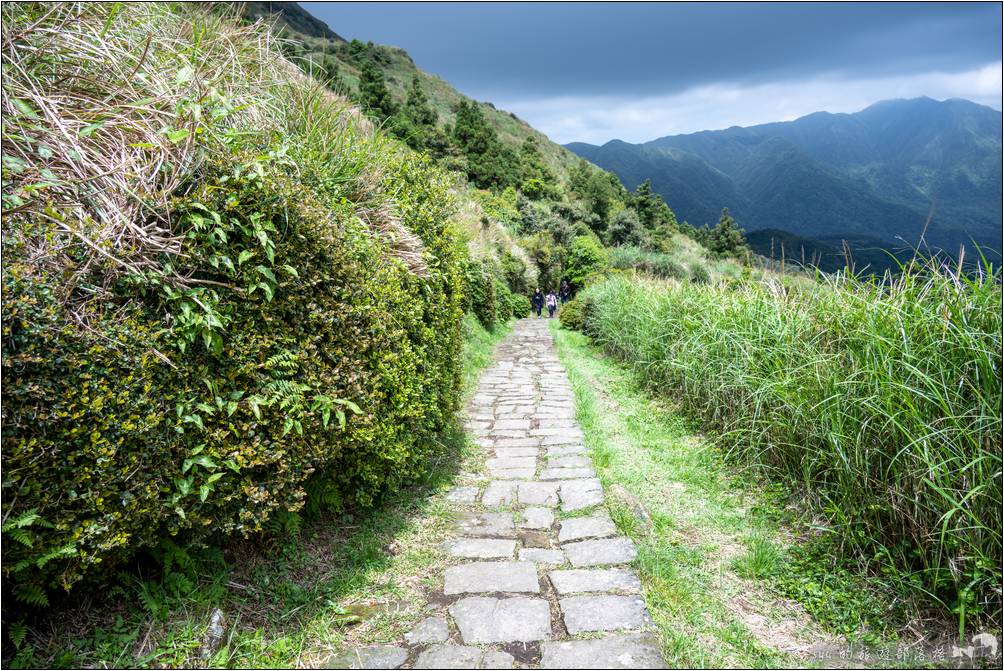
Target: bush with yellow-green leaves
{"type": "Point", "coordinates": [223, 293]}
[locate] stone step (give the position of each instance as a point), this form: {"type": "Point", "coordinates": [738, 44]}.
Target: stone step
{"type": "Point", "coordinates": [626, 651]}
{"type": "Point", "coordinates": [493, 620]}
{"type": "Point", "coordinates": [603, 613]}
{"type": "Point", "coordinates": [487, 577]}
{"type": "Point", "coordinates": [599, 552]}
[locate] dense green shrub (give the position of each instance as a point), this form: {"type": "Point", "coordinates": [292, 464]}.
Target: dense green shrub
{"type": "Point", "coordinates": [883, 400]}
{"type": "Point", "coordinates": [572, 315]}
{"type": "Point", "coordinates": [699, 273]}
{"type": "Point", "coordinates": [305, 335]}
{"type": "Point", "coordinates": [586, 259]}
{"type": "Point", "coordinates": [481, 289]}
{"type": "Point", "coordinates": [520, 306]}
{"type": "Point", "coordinates": [505, 298]}
{"type": "Point", "coordinates": [657, 264]}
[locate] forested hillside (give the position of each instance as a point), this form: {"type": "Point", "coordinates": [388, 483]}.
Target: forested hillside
{"type": "Point", "coordinates": [341, 63]}
{"type": "Point", "coordinates": [872, 178]}
{"type": "Point", "coordinates": [558, 208]}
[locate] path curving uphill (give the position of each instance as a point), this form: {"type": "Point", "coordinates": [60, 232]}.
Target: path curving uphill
{"type": "Point", "coordinates": [542, 578]}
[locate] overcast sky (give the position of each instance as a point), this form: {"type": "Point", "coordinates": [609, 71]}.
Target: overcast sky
{"type": "Point", "coordinates": [593, 72]}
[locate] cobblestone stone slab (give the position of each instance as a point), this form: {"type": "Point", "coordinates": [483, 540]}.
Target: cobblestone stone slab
{"type": "Point", "coordinates": [514, 452]}
{"type": "Point", "coordinates": [538, 493]}
{"type": "Point", "coordinates": [481, 548]}
{"type": "Point", "coordinates": [567, 473]}
{"type": "Point", "coordinates": [542, 556]}
{"type": "Point", "coordinates": [508, 463]}
{"type": "Point", "coordinates": [603, 613]}
{"type": "Point", "coordinates": [497, 525]}
{"type": "Point", "coordinates": [370, 657]}
{"type": "Point", "coordinates": [486, 577]}
{"type": "Point", "coordinates": [429, 630]}
{"type": "Point", "coordinates": [537, 518]}
{"type": "Point", "coordinates": [626, 651]}
{"type": "Point", "coordinates": [594, 526]}
{"type": "Point", "coordinates": [581, 580]}
{"type": "Point", "coordinates": [570, 461]}
{"type": "Point", "coordinates": [580, 494]}
{"type": "Point", "coordinates": [599, 552]}
{"type": "Point", "coordinates": [514, 473]}
{"type": "Point", "coordinates": [565, 450]}
{"type": "Point", "coordinates": [499, 493]}
{"type": "Point", "coordinates": [462, 495]}
{"type": "Point", "coordinates": [491, 620]}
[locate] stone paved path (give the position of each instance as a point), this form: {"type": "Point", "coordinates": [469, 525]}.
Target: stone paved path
{"type": "Point", "coordinates": [543, 579]}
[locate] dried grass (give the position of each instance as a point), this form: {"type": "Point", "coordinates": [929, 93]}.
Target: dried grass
{"type": "Point", "coordinates": [105, 111]}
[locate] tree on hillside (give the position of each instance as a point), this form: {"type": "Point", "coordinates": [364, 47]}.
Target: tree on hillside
{"type": "Point", "coordinates": [727, 239]}
{"type": "Point", "coordinates": [417, 106]}
{"type": "Point", "coordinates": [586, 259]}
{"type": "Point", "coordinates": [654, 214]}
{"type": "Point", "coordinates": [625, 228]}
{"type": "Point", "coordinates": [416, 121]}
{"type": "Point", "coordinates": [490, 164]}
{"type": "Point", "coordinates": [538, 181]}
{"type": "Point", "coordinates": [373, 94]}
{"type": "Point", "coordinates": [548, 256]}
{"type": "Point", "coordinates": [598, 188]}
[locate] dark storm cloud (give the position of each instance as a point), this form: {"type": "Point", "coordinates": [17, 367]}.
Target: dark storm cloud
{"type": "Point", "coordinates": [528, 49]}
{"type": "Point", "coordinates": [635, 71]}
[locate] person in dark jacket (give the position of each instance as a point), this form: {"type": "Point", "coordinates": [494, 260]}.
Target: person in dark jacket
{"type": "Point", "coordinates": [537, 301]}
{"type": "Point", "coordinates": [565, 291]}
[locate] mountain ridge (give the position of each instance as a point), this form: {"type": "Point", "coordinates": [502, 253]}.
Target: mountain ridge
{"type": "Point", "coordinates": [828, 176]}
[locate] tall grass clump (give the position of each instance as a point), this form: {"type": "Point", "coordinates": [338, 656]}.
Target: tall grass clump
{"type": "Point", "coordinates": [657, 264]}
{"type": "Point", "coordinates": [881, 398]}
{"type": "Point", "coordinates": [226, 297]}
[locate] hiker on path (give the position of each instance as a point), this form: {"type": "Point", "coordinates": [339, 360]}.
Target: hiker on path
{"type": "Point", "coordinates": [537, 301]}
{"type": "Point", "coordinates": [552, 304]}
{"type": "Point", "coordinates": [565, 291]}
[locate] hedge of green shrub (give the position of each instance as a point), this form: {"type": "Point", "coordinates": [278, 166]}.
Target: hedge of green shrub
{"type": "Point", "coordinates": [481, 288]}
{"type": "Point", "coordinates": [306, 339]}
{"type": "Point", "coordinates": [572, 315]}
{"type": "Point", "coordinates": [520, 306]}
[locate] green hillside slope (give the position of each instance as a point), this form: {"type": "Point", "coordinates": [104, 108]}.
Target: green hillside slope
{"type": "Point", "coordinates": [327, 54]}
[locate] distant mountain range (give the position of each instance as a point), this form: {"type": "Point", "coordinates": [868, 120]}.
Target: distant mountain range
{"type": "Point", "coordinates": [871, 178]}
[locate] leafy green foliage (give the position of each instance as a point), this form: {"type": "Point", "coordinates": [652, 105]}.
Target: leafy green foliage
{"type": "Point", "coordinates": [303, 338]}
{"type": "Point", "coordinates": [587, 259]}
{"type": "Point", "coordinates": [520, 305]}
{"type": "Point", "coordinates": [373, 94]}
{"type": "Point", "coordinates": [657, 264]}
{"type": "Point", "coordinates": [625, 228]}
{"type": "Point", "coordinates": [572, 315]}
{"type": "Point", "coordinates": [482, 293]}
{"type": "Point", "coordinates": [488, 162]}
{"type": "Point", "coordinates": [726, 239]}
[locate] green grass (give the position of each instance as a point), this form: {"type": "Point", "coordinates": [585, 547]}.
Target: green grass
{"type": "Point", "coordinates": [698, 514]}
{"type": "Point", "coordinates": [880, 402]}
{"type": "Point", "coordinates": [723, 557]}
{"type": "Point", "coordinates": [291, 597]}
